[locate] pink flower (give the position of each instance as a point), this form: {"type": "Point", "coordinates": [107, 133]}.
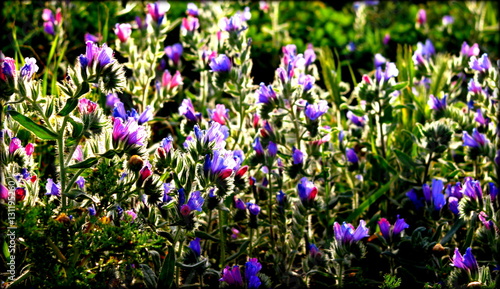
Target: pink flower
{"type": "Point", "coordinates": [123, 31]}
{"type": "Point", "coordinates": [171, 81]}
{"type": "Point", "coordinates": [219, 114]}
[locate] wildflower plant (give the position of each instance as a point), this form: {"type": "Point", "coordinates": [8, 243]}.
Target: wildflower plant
{"type": "Point", "coordinates": [160, 155]}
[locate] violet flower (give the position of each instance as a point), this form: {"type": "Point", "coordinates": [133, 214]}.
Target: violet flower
{"type": "Point", "coordinates": [436, 103]}
{"type": "Point", "coordinates": [477, 140]}
{"type": "Point", "coordinates": [194, 245]}
{"type": "Point", "coordinates": [232, 276]}
{"type": "Point", "coordinates": [220, 114]}
{"type": "Point", "coordinates": [29, 69]}
{"type": "Point", "coordinates": [52, 188]}
{"type": "Point", "coordinates": [157, 10]}
{"type": "Point", "coordinates": [174, 52]}
{"type": "Point", "coordinates": [221, 64]}
{"type": "Point", "coordinates": [314, 111]}
{"type": "Point", "coordinates": [482, 64]}
{"type": "Point", "coordinates": [467, 262]}
{"type": "Point", "coordinates": [307, 191]}
{"type": "Point", "coordinates": [357, 120]}
{"type": "Point", "coordinates": [252, 268]}
{"type": "Point", "coordinates": [187, 110]}
{"type": "Point", "coordinates": [469, 51]}
{"type": "Point", "coordinates": [351, 156]}
{"type": "Point", "coordinates": [346, 234]}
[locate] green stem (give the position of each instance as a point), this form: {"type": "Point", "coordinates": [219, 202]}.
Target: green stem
{"type": "Point", "coordinates": [222, 236]}
{"type": "Point", "coordinates": [250, 238]}
{"type": "Point", "coordinates": [62, 167]}
{"type": "Point", "coordinates": [427, 167]}
{"type": "Point", "coordinates": [270, 209]}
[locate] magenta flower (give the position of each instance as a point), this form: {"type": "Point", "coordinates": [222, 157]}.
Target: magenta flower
{"type": "Point", "coordinates": [15, 144]}
{"type": "Point", "coordinates": [78, 154]}
{"type": "Point", "coordinates": [421, 17]}
{"type": "Point", "coordinates": [190, 24]}
{"type": "Point", "coordinates": [220, 114]}
{"type": "Point", "coordinates": [7, 67]}
{"type": "Point", "coordinates": [123, 31]}
{"type": "Point", "coordinates": [232, 276]}
{"type": "Point", "coordinates": [157, 10]}
{"type": "Point", "coordinates": [94, 54]}
{"type": "Point", "coordinates": [469, 51]}
{"type": "Point", "coordinates": [86, 106]}
{"type": "Point", "coordinates": [264, 6]}
{"type": "Point", "coordinates": [128, 133]}
{"type": "Point", "coordinates": [4, 192]}
{"type": "Point", "coordinates": [192, 10]}
{"type": "Point", "coordinates": [50, 21]}
{"type": "Point", "coordinates": [131, 213]}
{"type": "Point", "coordinates": [475, 87]}
{"type": "Point", "coordinates": [388, 231]}
{"type": "Point", "coordinates": [171, 81]}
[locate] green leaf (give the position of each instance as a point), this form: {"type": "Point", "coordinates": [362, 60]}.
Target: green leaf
{"type": "Point", "coordinates": [77, 126]}
{"type": "Point", "coordinates": [71, 104]}
{"type": "Point", "coordinates": [405, 160]}
{"type": "Point", "coordinates": [85, 164]}
{"type": "Point", "coordinates": [38, 130]}
{"type": "Point", "coordinates": [166, 277]}
{"type": "Point", "coordinates": [5, 249]}
{"type": "Point", "coordinates": [192, 266]}
{"type": "Point", "coordinates": [242, 249]}
{"type": "Point", "coordinates": [149, 276]}
{"type": "Point", "coordinates": [370, 200]}
{"type": "Point", "coordinates": [206, 236]}
{"type": "Point", "coordinates": [399, 85]}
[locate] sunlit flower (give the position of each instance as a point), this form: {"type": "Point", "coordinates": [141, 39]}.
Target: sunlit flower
{"type": "Point", "coordinates": [436, 103]}
{"type": "Point", "coordinates": [29, 69]}
{"type": "Point", "coordinates": [307, 190]}
{"type": "Point", "coordinates": [220, 114]}
{"type": "Point", "coordinates": [192, 10]}
{"type": "Point", "coordinates": [346, 234]}
{"type": "Point", "coordinates": [482, 64]}
{"type": "Point", "coordinates": [52, 188]}
{"type": "Point", "coordinates": [123, 31]}
{"type": "Point", "coordinates": [221, 64]}
{"type": "Point", "coordinates": [477, 140]}
{"type": "Point", "coordinates": [157, 10]}
{"type": "Point", "coordinates": [315, 110]}
{"type": "Point", "coordinates": [469, 51]}
{"type": "Point", "coordinates": [190, 24]}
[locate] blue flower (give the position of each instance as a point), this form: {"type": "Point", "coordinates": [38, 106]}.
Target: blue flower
{"type": "Point", "coordinates": [351, 155]}
{"type": "Point", "coordinates": [357, 120]}
{"type": "Point", "coordinates": [257, 146]}
{"type": "Point", "coordinates": [346, 234]}
{"type": "Point", "coordinates": [52, 188]}
{"type": "Point", "coordinates": [194, 245]}
{"type": "Point", "coordinates": [467, 262]}
{"type": "Point", "coordinates": [266, 94]}
{"type": "Point", "coordinates": [297, 156]}
{"type": "Point", "coordinates": [80, 181]}
{"type": "Point", "coordinates": [254, 209]}
{"type": "Point", "coordinates": [272, 149]}
{"type": "Point", "coordinates": [195, 201]}
{"type": "Point", "coordinates": [187, 109]}
{"type": "Point", "coordinates": [314, 111]}
{"type": "Point", "coordinates": [436, 103]}
{"type": "Point", "coordinates": [307, 190]}
{"type": "Point", "coordinates": [221, 64]}
{"type": "Point", "coordinates": [239, 204]}
{"type": "Point", "coordinates": [477, 140]}
{"type": "Point", "coordinates": [252, 268]}
{"type": "Point", "coordinates": [482, 64]}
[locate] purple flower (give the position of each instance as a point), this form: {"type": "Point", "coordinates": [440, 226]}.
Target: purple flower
{"type": "Point", "coordinates": [264, 6]}
{"type": "Point", "coordinates": [314, 251]}
{"type": "Point", "coordinates": [484, 219]}
{"type": "Point", "coordinates": [474, 87]}
{"type": "Point", "coordinates": [233, 24]}
{"type": "Point", "coordinates": [174, 52]}
{"type": "Point", "coordinates": [307, 190]}
{"type": "Point", "coordinates": [423, 52]}
{"type": "Point", "coordinates": [309, 55]}
{"type": "Point", "coordinates": [477, 140]}
{"type": "Point", "coordinates": [220, 165]}
{"type": "Point", "coordinates": [216, 133]}
{"type": "Point", "coordinates": [187, 109]}
{"type": "Point", "coordinates": [192, 9]}
{"type": "Point", "coordinates": [15, 144]}
{"type": "Point", "coordinates": [306, 80]}
{"type": "Point", "coordinates": [385, 227]}
{"type": "Point", "coordinates": [314, 111]}
{"type": "Point", "coordinates": [195, 201]}
{"type": "Point", "coordinates": [481, 119]}
{"type": "Point", "coordinates": [272, 148]}
{"type": "Point", "coordinates": [467, 262]}
{"type": "Point", "coordinates": [157, 10]}
{"type": "Point", "coordinates": [447, 20]}
{"type": "Point", "coordinates": [50, 21]}
{"type": "Point", "coordinates": [436, 103]}
{"type": "Point", "coordinates": [351, 156]}
{"type": "Point", "coordinates": [128, 133]}
{"type": "Point", "coordinates": [123, 31]}
{"type": "Point", "coordinates": [469, 51]}
{"type": "Point", "coordinates": [472, 189]}
{"type": "Point", "coordinates": [482, 64]}
{"type": "Point", "coordinates": [399, 226]}
{"type": "Point", "coordinates": [232, 276]}
{"type": "Point", "coordinates": [357, 120]}
{"type": "Point", "coordinates": [493, 190]}
{"type": "Point", "coordinates": [281, 198]}
{"type": "Point", "coordinates": [52, 188]}
{"type": "Point", "coordinates": [194, 245]}
{"type": "Point", "coordinates": [257, 146]}
{"type": "Point", "coordinates": [80, 181]}
{"type": "Point", "coordinates": [266, 94]}
{"type": "Point", "coordinates": [379, 60]}
{"type": "Point", "coordinates": [239, 204]}
{"type": "Point", "coordinates": [387, 38]}
{"type": "Point", "coordinates": [220, 64]}
{"type": "Point", "coordinates": [29, 69]}
{"type": "Point", "coordinates": [94, 54]}
{"type": "Point", "coordinates": [434, 194]}
{"type": "Point", "coordinates": [7, 67]}
{"type": "Point", "coordinates": [453, 205]}
{"type": "Point", "coordinates": [131, 213]}
{"type": "Point", "coordinates": [346, 234]}
{"type": "Point", "coordinates": [297, 156]}
{"type": "Point", "coordinates": [254, 209]}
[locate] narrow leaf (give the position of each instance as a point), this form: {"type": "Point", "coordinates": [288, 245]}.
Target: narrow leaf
{"type": "Point", "coordinates": [39, 130]}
